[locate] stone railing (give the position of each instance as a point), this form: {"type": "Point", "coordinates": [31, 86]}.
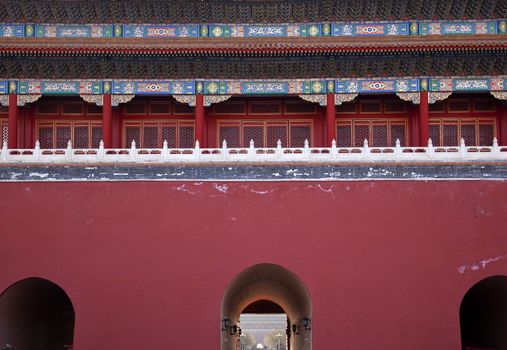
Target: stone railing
{"type": "Point", "coordinates": [365, 154]}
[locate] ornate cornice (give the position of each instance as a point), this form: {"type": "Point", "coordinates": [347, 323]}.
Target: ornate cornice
{"type": "Point", "coordinates": [413, 97]}
{"type": "Point", "coordinates": [340, 98]}
{"type": "Point", "coordinates": [188, 99]}
{"type": "Point", "coordinates": [501, 95]}
{"type": "Point", "coordinates": [97, 99]}
{"type": "Point", "coordinates": [209, 99]}
{"type": "Point", "coordinates": [318, 98]}
{"type": "Point", "coordinates": [24, 99]}
{"type": "Point", "coordinates": [117, 99]}
{"type": "Point", "coordinates": [437, 96]}
{"type": "Point", "coordinates": [4, 100]}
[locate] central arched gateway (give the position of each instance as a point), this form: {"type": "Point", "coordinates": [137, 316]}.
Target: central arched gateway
{"type": "Point", "coordinates": [271, 283]}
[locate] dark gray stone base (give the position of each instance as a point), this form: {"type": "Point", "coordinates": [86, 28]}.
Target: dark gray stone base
{"type": "Point", "coordinates": [489, 171]}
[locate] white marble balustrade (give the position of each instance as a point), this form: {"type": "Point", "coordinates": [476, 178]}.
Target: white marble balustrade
{"type": "Point", "coordinates": [365, 154]}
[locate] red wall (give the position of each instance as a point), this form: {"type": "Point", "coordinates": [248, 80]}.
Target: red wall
{"type": "Point", "coordinates": [146, 264]}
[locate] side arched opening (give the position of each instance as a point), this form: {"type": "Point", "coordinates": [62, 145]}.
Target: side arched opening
{"type": "Point", "coordinates": [36, 314]}
{"type": "Point", "coordinates": [267, 288]}
{"type": "Point", "coordinates": [483, 315]}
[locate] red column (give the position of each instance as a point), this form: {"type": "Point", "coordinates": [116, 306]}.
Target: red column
{"type": "Point", "coordinates": [330, 119]}
{"type": "Point", "coordinates": [13, 121]}
{"type": "Point", "coordinates": [199, 120]}
{"type": "Point", "coordinates": [107, 120]}
{"type": "Point", "coordinates": [424, 120]}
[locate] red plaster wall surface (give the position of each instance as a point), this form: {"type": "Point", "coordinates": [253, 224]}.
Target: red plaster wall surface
{"type": "Point", "coordinates": [146, 263]}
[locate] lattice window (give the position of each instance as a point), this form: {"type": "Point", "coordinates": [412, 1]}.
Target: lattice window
{"type": "Point", "coordinates": [300, 133]}
{"type": "Point", "coordinates": [398, 131]}
{"type": "Point", "coordinates": [132, 133]}
{"type": "Point", "coordinates": [255, 133]}
{"type": "Point", "coordinates": [186, 137]}
{"type": "Point", "coordinates": [231, 134]}
{"type": "Point", "coordinates": [169, 135]}
{"type": "Point", "coordinates": [458, 106]}
{"type": "Point", "coordinates": [450, 135]}
{"type": "Point", "coordinates": [265, 133]}
{"type": "Point", "coordinates": [265, 108]}
{"type": "Point", "coordinates": [63, 135]}
{"type": "Point", "coordinates": [347, 108]}
{"type": "Point", "coordinates": [229, 108]}
{"type": "Point", "coordinates": [4, 109]}
{"type": "Point", "coordinates": [395, 106]}
{"type": "Point", "coordinates": [275, 133]}
{"type": "Point", "coordinates": [75, 108]}
{"type": "Point", "coordinates": [361, 133]}
{"type": "Point", "coordinates": [46, 136]}
{"type": "Point", "coordinates": [81, 137]}
{"type": "Point", "coordinates": [370, 107]}
{"type": "Point", "coordinates": [434, 134]}
{"type": "Point", "coordinates": [486, 134]}
{"type": "Point", "coordinates": [437, 107]}
{"type": "Point", "coordinates": [4, 132]}
{"type": "Point", "coordinates": [160, 108]}
{"type": "Point", "coordinates": [150, 136]}
{"type": "Point", "coordinates": [344, 135]}
{"type": "Point", "coordinates": [468, 133]}
{"type": "Point", "coordinates": [300, 107]}
{"type": "Point", "coordinates": [379, 135]}
{"type": "Point", "coordinates": [138, 108]}
{"type": "Point", "coordinates": [47, 108]}
{"type": "Point", "coordinates": [378, 132]}
{"type": "Point", "coordinates": [96, 136]}
{"type": "Point", "coordinates": [484, 105]}
{"type": "Point", "coordinates": [475, 132]}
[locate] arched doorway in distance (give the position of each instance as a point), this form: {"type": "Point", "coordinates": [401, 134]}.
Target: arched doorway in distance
{"type": "Point", "coordinates": [483, 315]}
{"type": "Point", "coordinates": [36, 314]}
{"type": "Point", "coordinates": [272, 286]}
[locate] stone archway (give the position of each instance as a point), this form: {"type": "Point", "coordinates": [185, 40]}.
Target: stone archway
{"type": "Point", "coordinates": [36, 314]}
{"type": "Point", "coordinates": [483, 315]}
{"type": "Point", "coordinates": [273, 283]}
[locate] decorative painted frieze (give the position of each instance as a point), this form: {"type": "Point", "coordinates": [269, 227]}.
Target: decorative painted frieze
{"type": "Point", "coordinates": [72, 31]}
{"type": "Point", "coordinates": [12, 30]}
{"type": "Point", "coordinates": [404, 87]}
{"type": "Point", "coordinates": [377, 85]}
{"type": "Point", "coordinates": [468, 84]}
{"type": "Point", "coordinates": [51, 87]}
{"type": "Point", "coordinates": [159, 31]}
{"type": "Point", "coordinates": [164, 87]}
{"type": "Point", "coordinates": [371, 29]}
{"type": "Point", "coordinates": [225, 30]}
{"type": "Point", "coordinates": [4, 87]}
{"type": "Point", "coordinates": [453, 27]}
